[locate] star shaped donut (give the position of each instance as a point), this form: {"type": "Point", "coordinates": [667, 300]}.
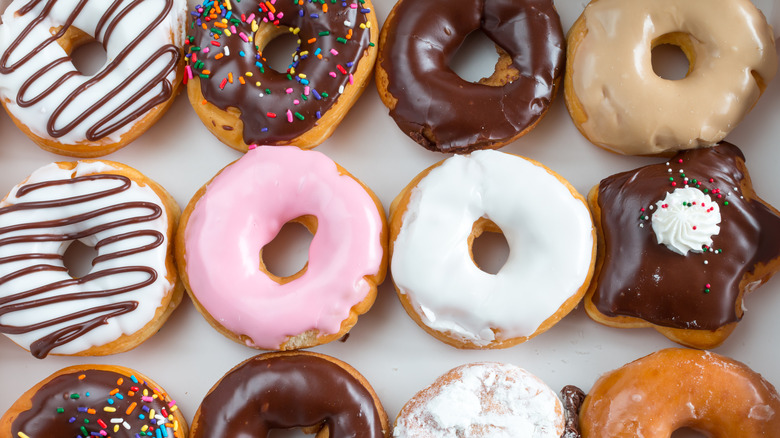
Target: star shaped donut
{"type": "Point", "coordinates": [680, 243]}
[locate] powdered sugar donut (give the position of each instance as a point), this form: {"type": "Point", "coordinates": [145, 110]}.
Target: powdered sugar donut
{"type": "Point", "coordinates": [483, 400]}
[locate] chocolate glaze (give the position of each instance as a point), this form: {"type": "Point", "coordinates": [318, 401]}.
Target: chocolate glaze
{"type": "Point", "coordinates": [443, 112]}
{"type": "Point", "coordinates": [259, 127]}
{"type": "Point", "coordinates": [287, 391]}
{"type": "Point", "coordinates": [112, 121]}
{"type": "Point", "coordinates": [572, 397]}
{"type": "Point", "coordinates": [29, 299]}
{"type": "Point", "coordinates": [43, 420]}
{"type": "Point", "coordinates": [643, 279]}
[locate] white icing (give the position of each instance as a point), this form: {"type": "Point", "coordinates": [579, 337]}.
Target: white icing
{"type": "Point", "coordinates": [35, 117]}
{"type": "Point", "coordinates": [548, 230]}
{"type": "Point", "coordinates": [488, 400]}
{"type": "Point", "coordinates": [148, 298]}
{"type": "Point", "coordinates": [685, 220]}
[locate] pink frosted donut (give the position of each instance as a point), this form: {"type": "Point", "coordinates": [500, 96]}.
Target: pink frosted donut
{"type": "Point", "coordinates": [229, 221]}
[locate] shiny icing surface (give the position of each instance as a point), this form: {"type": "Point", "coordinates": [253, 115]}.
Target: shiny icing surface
{"type": "Point", "coordinates": [277, 107]}
{"type": "Point", "coordinates": [441, 111]}
{"type": "Point", "coordinates": [548, 230]}
{"type": "Point", "coordinates": [287, 391]}
{"type": "Point", "coordinates": [647, 280]}
{"type": "Point", "coordinates": [44, 309]}
{"type": "Point", "coordinates": [631, 110]}
{"type": "Point", "coordinates": [44, 90]}
{"type": "Point", "coordinates": [243, 209]}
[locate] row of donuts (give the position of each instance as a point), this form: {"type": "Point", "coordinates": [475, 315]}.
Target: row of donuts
{"type": "Point", "coordinates": [693, 239]}
{"type": "Point", "coordinates": [652, 396]}
{"type": "Point", "coordinates": [244, 102]}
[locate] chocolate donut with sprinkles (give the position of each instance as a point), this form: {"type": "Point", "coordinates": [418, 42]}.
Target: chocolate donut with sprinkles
{"type": "Point", "coordinates": [244, 102]}
{"type": "Point", "coordinates": [94, 400]}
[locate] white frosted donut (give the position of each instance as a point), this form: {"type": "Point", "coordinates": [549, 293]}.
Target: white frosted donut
{"type": "Point", "coordinates": [551, 247]}
{"type": "Point", "coordinates": [619, 103]}
{"type": "Point", "coordinates": [67, 112]}
{"type": "Point", "coordinates": [483, 400]}
{"type": "Point", "coordinates": [132, 287]}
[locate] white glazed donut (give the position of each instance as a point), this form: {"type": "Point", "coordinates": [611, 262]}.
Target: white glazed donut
{"type": "Point", "coordinates": [483, 400]}
{"type": "Point", "coordinates": [132, 287]}
{"type": "Point", "coordinates": [70, 113]}
{"type": "Point", "coordinates": [620, 104]}
{"type": "Point", "coordinates": [546, 224]}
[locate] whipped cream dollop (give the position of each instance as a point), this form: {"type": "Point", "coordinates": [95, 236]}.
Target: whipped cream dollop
{"type": "Point", "coordinates": [685, 220]}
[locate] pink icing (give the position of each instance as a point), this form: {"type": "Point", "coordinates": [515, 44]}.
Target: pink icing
{"type": "Point", "coordinates": [243, 209]}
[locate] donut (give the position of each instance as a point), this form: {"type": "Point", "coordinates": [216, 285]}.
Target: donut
{"type": "Point", "coordinates": [619, 103]}
{"type": "Point", "coordinates": [229, 221]}
{"type": "Point", "coordinates": [681, 388]}
{"type": "Point", "coordinates": [132, 287]}
{"type": "Point", "coordinates": [680, 244]}
{"type": "Point", "coordinates": [486, 399]}
{"type": "Point", "coordinates": [434, 221]}
{"type": "Point", "coordinates": [285, 390]}
{"type": "Point", "coordinates": [67, 112]}
{"type": "Point", "coordinates": [94, 400]}
{"type": "Point", "coordinates": [243, 101]}
{"type": "Point", "coordinates": [443, 112]}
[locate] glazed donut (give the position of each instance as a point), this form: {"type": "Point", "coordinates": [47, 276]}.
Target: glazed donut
{"type": "Point", "coordinates": [680, 244]}
{"type": "Point", "coordinates": [94, 400]}
{"type": "Point", "coordinates": [680, 388]}
{"type": "Point", "coordinates": [442, 112]}
{"type": "Point", "coordinates": [285, 390]}
{"type": "Point", "coordinates": [485, 399]}
{"type": "Point", "coordinates": [245, 102]}
{"type": "Point", "coordinates": [434, 222]}
{"type": "Point", "coordinates": [69, 113]}
{"type": "Point", "coordinates": [132, 287]}
{"type": "Point", "coordinates": [229, 221]}
{"type": "Point", "coordinates": [618, 102]}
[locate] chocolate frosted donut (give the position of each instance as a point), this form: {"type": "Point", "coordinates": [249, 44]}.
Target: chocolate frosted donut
{"type": "Point", "coordinates": [680, 243]}
{"type": "Point", "coordinates": [288, 390]}
{"type": "Point", "coordinates": [441, 111]}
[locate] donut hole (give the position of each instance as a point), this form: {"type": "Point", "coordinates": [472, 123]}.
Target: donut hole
{"type": "Point", "coordinates": [488, 246]}
{"type": "Point", "coordinates": [87, 54]}
{"type": "Point", "coordinates": [78, 258]}
{"type": "Point", "coordinates": [672, 56]}
{"type": "Point", "coordinates": [277, 46]}
{"type": "Point", "coordinates": [286, 257]}
{"type": "Point", "coordinates": [687, 432]}
{"type": "Point", "coordinates": [476, 58]}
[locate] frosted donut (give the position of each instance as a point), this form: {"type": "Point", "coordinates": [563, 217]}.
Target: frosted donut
{"type": "Point", "coordinates": [546, 223]}
{"type": "Point", "coordinates": [69, 113]}
{"type": "Point", "coordinates": [94, 400]}
{"type": "Point", "coordinates": [678, 388]}
{"type": "Point", "coordinates": [620, 104]}
{"type": "Point", "coordinates": [229, 221]}
{"type": "Point", "coordinates": [132, 287]}
{"type": "Point", "coordinates": [243, 101]}
{"type": "Point", "coordinates": [483, 400]}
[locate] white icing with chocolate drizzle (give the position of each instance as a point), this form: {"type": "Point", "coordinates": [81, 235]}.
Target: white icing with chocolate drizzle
{"type": "Point", "coordinates": [685, 220]}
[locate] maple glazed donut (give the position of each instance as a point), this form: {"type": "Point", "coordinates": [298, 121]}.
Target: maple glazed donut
{"type": "Point", "coordinates": [443, 112]}
{"type": "Point", "coordinates": [680, 244]}
{"type": "Point", "coordinates": [434, 222]}
{"type": "Point", "coordinates": [229, 221]}
{"type": "Point", "coordinates": [285, 390]}
{"type": "Point", "coordinates": [132, 286]}
{"type": "Point", "coordinates": [67, 112]}
{"type": "Point", "coordinates": [486, 399]}
{"type": "Point", "coordinates": [619, 103]}
{"type": "Point", "coordinates": [680, 388]}
{"type": "Point", "coordinates": [244, 102]}
{"type": "Point", "coordinates": [94, 400]}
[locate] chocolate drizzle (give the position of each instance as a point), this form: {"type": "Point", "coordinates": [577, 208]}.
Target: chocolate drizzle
{"type": "Point", "coordinates": [117, 114]}
{"type": "Point", "coordinates": [443, 112]}
{"type": "Point", "coordinates": [328, 54]}
{"type": "Point", "coordinates": [287, 391]}
{"type": "Point", "coordinates": [40, 296]}
{"type": "Point", "coordinates": [643, 279]}
{"type": "Point", "coordinates": [572, 397]}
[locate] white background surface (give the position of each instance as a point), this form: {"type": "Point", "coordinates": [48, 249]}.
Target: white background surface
{"type": "Point", "coordinates": [187, 356]}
